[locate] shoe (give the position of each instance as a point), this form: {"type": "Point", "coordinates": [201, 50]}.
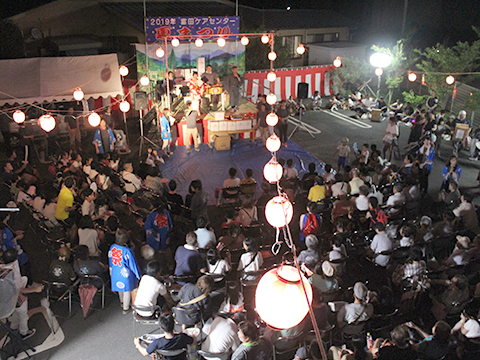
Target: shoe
{"type": "Point", "coordinates": [29, 334]}
{"type": "Point", "coordinates": [125, 312]}
{"type": "Point", "coordinates": [197, 150]}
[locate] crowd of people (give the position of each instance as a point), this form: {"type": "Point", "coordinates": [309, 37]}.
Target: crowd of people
{"type": "Point", "coordinates": [376, 257]}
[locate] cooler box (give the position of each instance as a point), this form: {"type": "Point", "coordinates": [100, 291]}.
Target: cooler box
{"type": "Point", "coordinates": [213, 125]}
{"type": "Point", "coordinates": [231, 126]}
{"type": "Point", "coordinates": [223, 125]}
{"type": "Point", "coordinates": [376, 115]}
{"type": "Point", "coordinates": [222, 142]}
{"type": "Point", "coordinates": [219, 115]}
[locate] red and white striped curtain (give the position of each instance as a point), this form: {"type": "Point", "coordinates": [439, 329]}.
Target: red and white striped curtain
{"type": "Point", "coordinates": [317, 78]}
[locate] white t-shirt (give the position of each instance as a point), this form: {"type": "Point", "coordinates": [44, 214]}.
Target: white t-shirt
{"type": "Point", "coordinates": [473, 328]}
{"type": "Point", "coordinates": [247, 265]}
{"type": "Point", "coordinates": [148, 292]}
{"type": "Point", "coordinates": [355, 184]}
{"type": "Point", "coordinates": [222, 335]}
{"type": "Point", "coordinates": [89, 237]}
{"type": "Point", "coordinates": [205, 238]}
{"type": "Point", "coordinates": [220, 267]}
{"type": "Point", "coordinates": [291, 173]}
{"type": "Point", "coordinates": [88, 208]}
{"type": "Point", "coordinates": [381, 242]}
{"type": "Point", "coordinates": [361, 202]}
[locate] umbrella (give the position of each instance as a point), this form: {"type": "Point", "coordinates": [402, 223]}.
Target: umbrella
{"type": "Point", "coordinates": [86, 292]}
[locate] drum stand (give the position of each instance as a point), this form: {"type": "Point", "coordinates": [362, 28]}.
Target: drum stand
{"type": "Point", "coordinates": [142, 137]}
{"type": "Point", "coordinates": [300, 124]}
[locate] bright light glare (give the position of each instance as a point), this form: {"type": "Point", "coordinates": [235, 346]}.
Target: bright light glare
{"type": "Point", "coordinates": [380, 60]}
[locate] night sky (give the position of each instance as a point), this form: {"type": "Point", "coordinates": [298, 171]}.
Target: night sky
{"type": "Point", "coordinates": [378, 21]}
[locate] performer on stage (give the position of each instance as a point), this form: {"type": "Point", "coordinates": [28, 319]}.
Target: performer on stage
{"type": "Point", "coordinates": [210, 78]}
{"type": "Point", "coordinates": [232, 84]}
{"type": "Point", "coordinates": [169, 86]}
{"type": "Point", "coordinates": [197, 89]}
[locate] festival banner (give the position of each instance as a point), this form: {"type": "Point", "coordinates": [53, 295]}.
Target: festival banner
{"type": "Point", "coordinates": [185, 28]}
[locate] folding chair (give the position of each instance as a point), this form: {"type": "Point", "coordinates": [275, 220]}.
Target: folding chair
{"type": "Point", "coordinates": [208, 355]}
{"type": "Point", "coordinates": [287, 345]}
{"type": "Point", "coordinates": [96, 281]}
{"type": "Point", "coordinates": [147, 321]}
{"type": "Point", "coordinates": [61, 291]}
{"type": "Point", "coordinates": [168, 354]}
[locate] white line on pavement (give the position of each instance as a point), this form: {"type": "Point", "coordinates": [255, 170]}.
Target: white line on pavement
{"type": "Point", "coordinates": [348, 119]}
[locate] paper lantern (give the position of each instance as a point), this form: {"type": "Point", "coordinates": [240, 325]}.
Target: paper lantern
{"type": "Point", "coordinates": [175, 42]}
{"type": "Point", "coordinates": [47, 122]}
{"type": "Point", "coordinates": [272, 119]}
{"type": "Point", "coordinates": [272, 55]}
{"type": "Point", "coordinates": [279, 211]}
{"type": "Point", "coordinates": [412, 77]}
{"type": "Point", "coordinates": [379, 71]}
{"type": "Point", "coordinates": [124, 106]}
{"type": "Point", "coordinates": [337, 62]}
{"type": "Point", "coordinates": [273, 143]}
{"type": "Point", "coordinates": [221, 42]}
{"type": "Point", "coordinates": [271, 99]}
{"type": "Point", "coordinates": [94, 119]}
{"type": "Point", "coordinates": [244, 40]}
{"type": "Point", "coordinates": [78, 94]}
{"type": "Point", "coordinates": [271, 76]}
{"type": "Point", "coordinates": [300, 49]}
{"type": "Point", "coordinates": [450, 80]}
{"type": "Point", "coordinates": [144, 80]}
{"type": "Point", "coordinates": [123, 70]}
{"type": "Point", "coordinates": [160, 53]}
{"type": "Point", "coordinates": [18, 116]}
{"type": "Point", "coordinates": [199, 42]}
{"type": "Point", "coordinates": [280, 298]}
{"type": "Point", "coordinates": [265, 39]}
{"type": "Point", "coordinates": [272, 171]}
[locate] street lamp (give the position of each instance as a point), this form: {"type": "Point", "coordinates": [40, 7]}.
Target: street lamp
{"type": "Point", "coordinates": [380, 61]}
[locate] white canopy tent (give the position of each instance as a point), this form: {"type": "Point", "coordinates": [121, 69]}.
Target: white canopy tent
{"type": "Point", "coordinates": [54, 79]}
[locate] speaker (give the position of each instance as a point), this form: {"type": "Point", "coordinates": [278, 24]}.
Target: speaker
{"type": "Point", "coordinates": [141, 100]}
{"type": "Point", "coordinates": [302, 90]}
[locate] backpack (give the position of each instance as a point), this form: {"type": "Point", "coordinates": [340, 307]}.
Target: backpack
{"type": "Point", "coordinates": [311, 225]}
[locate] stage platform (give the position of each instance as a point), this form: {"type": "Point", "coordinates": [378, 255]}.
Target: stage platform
{"type": "Point", "coordinates": [211, 166]}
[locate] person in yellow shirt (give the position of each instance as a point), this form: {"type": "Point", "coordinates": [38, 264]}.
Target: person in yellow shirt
{"type": "Point", "coordinates": [318, 191]}
{"type": "Point", "coordinates": [65, 201]}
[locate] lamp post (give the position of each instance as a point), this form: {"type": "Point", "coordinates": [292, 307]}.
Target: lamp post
{"type": "Point", "coordinates": [380, 61]}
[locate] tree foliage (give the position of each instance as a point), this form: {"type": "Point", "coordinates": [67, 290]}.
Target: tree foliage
{"type": "Point", "coordinates": [414, 99]}
{"type": "Point", "coordinates": [351, 75]}
{"type": "Point", "coordinates": [256, 54]}
{"type": "Point", "coordinates": [439, 61]}
{"type": "Point", "coordinates": [394, 73]}
{"type": "Point", "coordinates": [472, 102]}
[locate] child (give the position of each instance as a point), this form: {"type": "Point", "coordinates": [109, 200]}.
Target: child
{"type": "Point", "coordinates": [250, 261]}
{"type": "Point", "coordinates": [407, 236]}
{"type": "Point", "coordinates": [343, 151]}
{"type": "Point", "coordinates": [290, 171]}
{"type": "Point", "coordinates": [234, 300]}
{"type": "Point", "coordinates": [152, 158]}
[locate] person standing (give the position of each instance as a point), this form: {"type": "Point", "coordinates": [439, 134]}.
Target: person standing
{"type": "Point", "coordinates": [282, 126]}
{"type": "Point", "coordinates": [262, 123]}
{"type": "Point", "coordinates": [232, 84]}
{"type": "Point", "coordinates": [73, 130]}
{"type": "Point", "coordinates": [104, 139]}
{"type": "Point", "coordinates": [169, 86]}
{"type": "Point", "coordinates": [124, 270]}
{"type": "Point", "coordinates": [432, 103]}
{"type": "Point", "coordinates": [191, 131]}
{"type": "Point", "coordinates": [165, 131]}
{"type": "Point", "coordinates": [210, 78]}
{"type": "Point", "coordinates": [107, 116]}
{"type": "Point", "coordinates": [197, 89]}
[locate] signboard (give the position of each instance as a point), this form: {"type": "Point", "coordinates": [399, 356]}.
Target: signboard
{"type": "Point", "coordinates": [185, 28]}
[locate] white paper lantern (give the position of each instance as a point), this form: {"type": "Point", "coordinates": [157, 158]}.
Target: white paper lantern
{"type": "Point", "coordinates": [272, 55]}
{"type": "Point", "coordinates": [160, 52]}
{"type": "Point", "coordinates": [300, 49]}
{"type": "Point", "coordinates": [221, 42]}
{"type": "Point", "coordinates": [337, 62]}
{"type": "Point", "coordinates": [379, 71]}
{"type": "Point", "coordinates": [273, 171]}
{"type": "Point", "coordinates": [450, 80]}
{"type": "Point", "coordinates": [271, 99]}
{"type": "Point", "coordinates": [123, 70]}
{"type": "Point", "coordinates": [124, 106]}
{"type": "Point", "coordinates": [144, 80]}
{"type": "Point", "coordinates": [18, 116]}
{"type": "Point", "coordinates": [412, 77]}
{"type": "Point", "coordinates": [265, 39]}
{"type": "Point", "coordinates": [271, 76]}
{"type": "Point", "coordinates": [279, 211]}
{"type": "Point", "coordinates": [199, 42]}
{"type": "Point", "coordinates": [94, 119]}
{"type": "Point", "coordinates": [47, 122]}
{"type": "Point", "coordinates": [78, 94]}
{"type": "Point", "coordinates": [175, 42]}
{"type": "Point", "coordinates": [280, 298]}
{"type": "Point", "coordinates": [272, 119]}
{"type": "Point", "coordinates": [273, 143]}
{"type": "Point", "coordinates": [244, 40]}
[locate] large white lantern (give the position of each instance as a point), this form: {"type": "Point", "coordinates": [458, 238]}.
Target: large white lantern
{"type": "Point", "coordinates": [272, 171]}
{"type": "Point", "coordinates": [280, 299]}
{"type": "Point", "coordinates": [412, 77]}
{"type": "Point", "coordinates": [124, 106]}
{"type": "Point", "coordinates": [94, 119]}
{"type": "Point", "coordinates": [244, 40]}
{"type": "Point", "coordinates": [271, 76]}
{"type": "Point", "coordinates": [271, 99]}
{"type": "Point", "coordinates": [272, 55]}
{"type": "Point", "coordinates": [450, 80]}
{"type": "Point", "coordinates": [47, 122]}
{"type": "Point", "coordinates": [279, 211]}
{"type": "Point", "coordinates": [160, 52]}
{"type": "Point", "coordinates": [337, 62]}
{"type": "Point", "coordinates": [175, 42]}
{"type": "Point", "coordinates": [273, 143]}
{"type": "Point", "coordinates": [272, 119]}
{"type": "Point", "coordinates": [78, 94]}
{"type": "Point", "coordinates": [264, 39]}
{"type": "Point", "coordinates": [123, 70]}
{"type": "Point", "coordinates": [18, 116]}
{"type": "Point", "coordinates": [221, 42]}
{"type": "Point", "coordinates": [144, 80]}
{"type": "Point", "coordinates": [199, 42]}
{"type": "Point", "coordinates": [300, 49]}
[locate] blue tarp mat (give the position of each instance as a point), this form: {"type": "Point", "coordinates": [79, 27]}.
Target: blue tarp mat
{"type": "Point", "coordinates": [211, 166]}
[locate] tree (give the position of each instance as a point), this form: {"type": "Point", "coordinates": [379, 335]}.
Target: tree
{"type": "Point", "coordinates": [351, 75]}
{"type": "Point", "coordinates": [256, 53]}
{"type": "Point", "coordinates": [439, 61]}
{"type": "Point", "coordinates": [414, 99]}
{"type": "Point", "coordinates": [395, 71]}
{"type": "Point", "coordinates": [172, 60]}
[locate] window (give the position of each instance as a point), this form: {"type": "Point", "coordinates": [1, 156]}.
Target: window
{"type": "Point", "coordinates": [291, 43]}
{"type": "Point", "coordinates": [319, 38]}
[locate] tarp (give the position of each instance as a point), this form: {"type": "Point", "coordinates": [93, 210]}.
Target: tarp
{"type": "Point", "coordinates": [54, 79]}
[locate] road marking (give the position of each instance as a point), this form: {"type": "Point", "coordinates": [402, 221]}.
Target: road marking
{"type": "Point", "coordinates": [295, 121]}
{"type": "Point", "coordinates": [348, 119]}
